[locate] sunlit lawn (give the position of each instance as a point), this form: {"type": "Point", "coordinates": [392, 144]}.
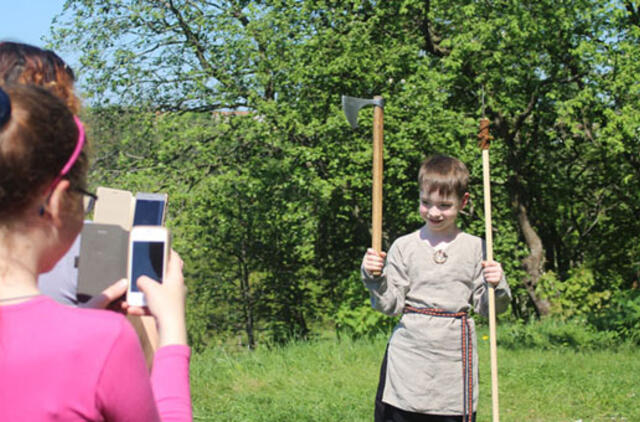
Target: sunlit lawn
{"type": "Point", "coordinates": [332, 380]}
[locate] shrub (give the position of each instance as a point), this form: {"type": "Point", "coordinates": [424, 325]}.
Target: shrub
{"type": "Point", "coordinates": [363, 321]}
{"type": "Point", "coordinates": [574, 297]}
{"type": "Point", "coordinates": [622, 315]}
{"type": "Point", "coordinates": [554, 333]}
{"type": "Point", "coordinates": [355, 317]}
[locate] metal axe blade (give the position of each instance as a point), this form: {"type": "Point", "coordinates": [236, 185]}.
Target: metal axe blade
{"type": "Point", "coordinates": [351, 106]}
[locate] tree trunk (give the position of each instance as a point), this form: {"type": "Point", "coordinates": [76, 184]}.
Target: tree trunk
{"type": "Point", "coordinates": [247, 303]}
{"type": "Point", "coordinates": [534, 263]}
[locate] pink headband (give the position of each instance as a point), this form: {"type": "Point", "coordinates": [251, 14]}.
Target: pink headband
{"type": "Point", "coordinates": [74, 156]}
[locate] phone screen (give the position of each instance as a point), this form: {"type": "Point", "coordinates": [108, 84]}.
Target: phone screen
{"type": "Point", "coordinates": [148, 212]}
{"type": "Point", "coordinates": [146, 259]}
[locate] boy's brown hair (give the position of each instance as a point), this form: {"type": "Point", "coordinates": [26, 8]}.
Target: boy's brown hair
{"type": "Point", "coordinates": [447, 175]}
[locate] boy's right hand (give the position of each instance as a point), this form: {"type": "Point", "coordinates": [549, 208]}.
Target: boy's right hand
{"type": "Point", "coordinates": [166, 302]}
{"type": "Point", "coordinates": [373, 262]}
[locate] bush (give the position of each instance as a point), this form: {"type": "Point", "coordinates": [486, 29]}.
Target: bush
{"type": "Point", "coordinates": [574, 297]}
{"type": "Point", "coordinates": [355, 317]}
{"type": "Point", "coordinates": [553, 333]}
{"type": "Point", "coordinates": [621, 316]}
{"type": "Point", "coordinates": [363, 321]}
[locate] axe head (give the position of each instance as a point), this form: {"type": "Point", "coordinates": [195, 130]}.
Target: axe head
{"type": "Point", "coordinates": [352, 106]}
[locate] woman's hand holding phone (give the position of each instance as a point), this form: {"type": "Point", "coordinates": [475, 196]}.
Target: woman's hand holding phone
{"type": "Point", "coordinates": [166, 302]}
{"type": "Point", "coordinates": [110, 298]}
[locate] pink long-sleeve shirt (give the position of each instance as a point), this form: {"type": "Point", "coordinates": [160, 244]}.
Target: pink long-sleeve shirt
{"type": "Point", "coordinates": [70, 364]}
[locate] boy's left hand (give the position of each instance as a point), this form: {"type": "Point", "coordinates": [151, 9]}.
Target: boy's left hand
{"type": "Point", "coordinates": [492, 272]}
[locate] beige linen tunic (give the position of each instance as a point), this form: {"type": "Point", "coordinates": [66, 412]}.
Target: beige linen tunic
{"type": "Point", "coordinates": [424, 360]}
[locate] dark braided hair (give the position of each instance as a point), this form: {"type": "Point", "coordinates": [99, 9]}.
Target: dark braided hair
{"type": "Point", "coordinates": [36, 140]}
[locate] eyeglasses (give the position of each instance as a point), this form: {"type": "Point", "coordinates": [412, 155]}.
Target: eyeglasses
{"type": "Point", "coordinates": [89, 199]}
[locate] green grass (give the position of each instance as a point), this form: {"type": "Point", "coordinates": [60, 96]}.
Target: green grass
{"type": "Point", "coordinates": [336, 380]}
{"type": "Point", "coordinates": [562, 385]}
{"type": "Point", "coordinates": [316, 381]}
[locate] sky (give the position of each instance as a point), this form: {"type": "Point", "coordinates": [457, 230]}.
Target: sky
{"type": "Point", "coordinates": [27, 21]}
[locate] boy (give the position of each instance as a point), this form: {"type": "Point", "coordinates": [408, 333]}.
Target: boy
{"type": "Point", "coordinates": [433, 277]}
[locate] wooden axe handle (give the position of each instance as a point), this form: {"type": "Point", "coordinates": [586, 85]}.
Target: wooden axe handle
{"type": "Point", "coordinates": [376, 197]}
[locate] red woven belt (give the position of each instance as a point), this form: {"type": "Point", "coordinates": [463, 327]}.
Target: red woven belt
{"type": "Point", "coordinates": [467, 352]}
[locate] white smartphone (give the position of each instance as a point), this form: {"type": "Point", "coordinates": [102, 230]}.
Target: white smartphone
{"type": "Point", "coordinates": [149, 209]}
{"type": "Point", "coordinates": [148, 255]}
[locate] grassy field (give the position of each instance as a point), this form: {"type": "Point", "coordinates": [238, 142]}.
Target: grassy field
{"type": "Point", "coordinates": [332, 380]}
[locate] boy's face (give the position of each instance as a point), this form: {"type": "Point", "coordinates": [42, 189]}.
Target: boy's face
{"type": "Point", "coordinates": [440, 212]}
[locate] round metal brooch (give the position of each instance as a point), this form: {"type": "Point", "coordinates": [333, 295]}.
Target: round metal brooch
{"type": "Point", "coordinates": [440, 256]}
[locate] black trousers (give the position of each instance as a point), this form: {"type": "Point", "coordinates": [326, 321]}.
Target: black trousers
{"type": "Point", "coordinates": [386, 413]}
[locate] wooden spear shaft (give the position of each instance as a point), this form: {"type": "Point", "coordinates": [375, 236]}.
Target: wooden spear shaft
{"type": "Point", "coordinates": [376, 194]}
{"type": "Point", "coordinates": [492, 294]}
{"type": "Point", "coordinates": [485, 138]}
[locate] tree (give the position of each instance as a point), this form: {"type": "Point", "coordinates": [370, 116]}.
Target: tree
{"type": "Point", "coordinates": [277, 202]}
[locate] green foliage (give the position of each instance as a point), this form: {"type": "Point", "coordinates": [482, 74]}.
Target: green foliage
{"type": "Point", "coordinates": [621, 316]}
{"type": "Point", "coordinates": [271, 208]}
{"type": "Point", "coordinates": [576, 296]}
{"type": "Point", "coordinates": [551, 333]}
{"type": "Point", "coordinates": [355, 317]}
{"type": "Point", "coordinates": [362, 321]}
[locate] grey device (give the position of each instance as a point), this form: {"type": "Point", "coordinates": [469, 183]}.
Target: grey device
{"type": "Point", "coordinates": [103, 258]}
{"type": "Point", "coordinates": [149, 209]}
{"type": "Point", "coordinates": [61, 283]}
